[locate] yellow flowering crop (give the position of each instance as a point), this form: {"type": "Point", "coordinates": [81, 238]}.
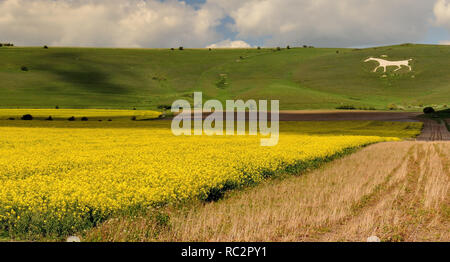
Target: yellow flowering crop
{"type": "Point", "coordinates": [59, 180]}
{"type": "Point", "coordinates": [78, 113]}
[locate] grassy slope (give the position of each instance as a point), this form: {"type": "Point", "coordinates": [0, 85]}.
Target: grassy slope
{"type": "Point", "coordinates": [300, 78]}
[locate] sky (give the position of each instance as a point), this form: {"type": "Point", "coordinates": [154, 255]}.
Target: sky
{"type": "Point", "coordinates": [223, 23]}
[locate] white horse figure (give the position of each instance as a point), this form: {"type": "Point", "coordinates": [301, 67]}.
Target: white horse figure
{"type": "Point", "coordinates": [385, 63]}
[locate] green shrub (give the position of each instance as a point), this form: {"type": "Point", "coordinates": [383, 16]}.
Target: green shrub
{"type": "Point", "coordinates": [222, 83]}
{"type": "Point", "coordinates": [346, 107]}
{"type": "Point", "coordinates": [428, 110]}
{"type": "Point", "coordinates": [367, 108]}
{"type": "Point", "coordinates": [392, 107]}
{"type": "Point", "coordinates": [164, 107]}
{"type": "Point", "coordinates": [27, 117]}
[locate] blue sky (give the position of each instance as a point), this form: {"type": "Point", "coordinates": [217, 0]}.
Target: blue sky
{"type": "Point", "coordinates": [436, 35]}
{"type": "Point", "coordinates": [224, 23]}
{"type": "Point", "coordinates": [194, 2]}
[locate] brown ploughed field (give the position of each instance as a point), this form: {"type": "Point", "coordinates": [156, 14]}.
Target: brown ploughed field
{"type": "Point", "coordinates": [434, 131]}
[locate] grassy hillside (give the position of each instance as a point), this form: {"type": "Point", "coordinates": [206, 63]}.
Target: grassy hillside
{"type": "Point", "coordinates": [301, 78]}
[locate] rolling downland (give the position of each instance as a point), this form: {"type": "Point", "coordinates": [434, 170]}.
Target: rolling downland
{"type": "Point", "coordinates": [301, 78]}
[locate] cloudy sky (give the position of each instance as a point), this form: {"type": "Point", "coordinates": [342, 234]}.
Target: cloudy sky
{"type": "Point", "coordinates": [224, 23]}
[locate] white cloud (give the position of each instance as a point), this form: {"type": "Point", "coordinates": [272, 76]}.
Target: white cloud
{"type": "Point", "coordinates": [334, 23]}
{"type": "Point", "coordinates": [172, 23]}
{"type": "Point", "coordinates": [330, 22]}
{"type": "Point", "coordinates": [442, 13]}
{"type": "Point", "coordinates": [132, 23]}
{"type": "Point", "coordinates": [445, 42]}
{"type": "Point", "coordinates": [230, 44]}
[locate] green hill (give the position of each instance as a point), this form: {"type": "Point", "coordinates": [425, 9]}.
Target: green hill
{"type": "Point", "coordinates": [301, 78]}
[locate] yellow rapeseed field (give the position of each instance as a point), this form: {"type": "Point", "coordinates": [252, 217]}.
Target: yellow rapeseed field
{"type": "Point", "coordinates": [77, 113]}
{"type": "Point", "coordinates": [56, 180]}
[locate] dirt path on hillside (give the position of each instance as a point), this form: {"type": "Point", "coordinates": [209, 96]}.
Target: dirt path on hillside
{"type": "Point", "coordinates": [434, 131]}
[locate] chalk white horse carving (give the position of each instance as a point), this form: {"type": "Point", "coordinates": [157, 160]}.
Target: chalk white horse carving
{"type": "Point", "coordinates": [385, 63]}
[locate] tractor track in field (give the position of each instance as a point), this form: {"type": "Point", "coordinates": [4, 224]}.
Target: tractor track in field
{"type": "Point", "coordinates": [434, 131]}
